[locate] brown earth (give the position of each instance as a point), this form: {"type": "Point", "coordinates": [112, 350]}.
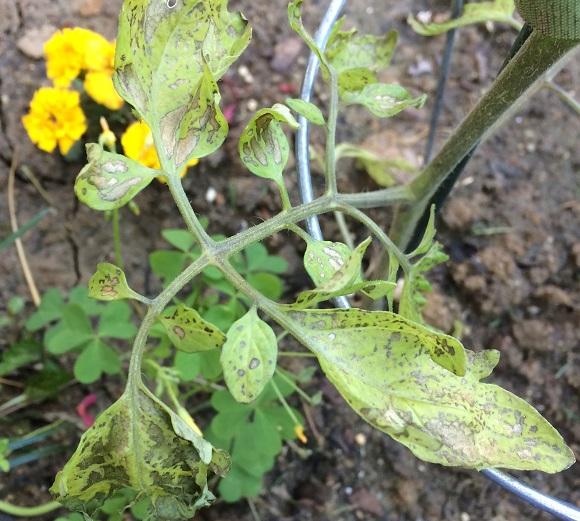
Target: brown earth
{"type": "Point", "coordinates": [511, 228]}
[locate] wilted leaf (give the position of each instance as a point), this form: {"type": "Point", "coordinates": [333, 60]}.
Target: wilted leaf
{"type": "Point", "coordinates": [473, 13]}
{"type": "Point", "coordinates": [348, 50]}
{"type": "Point", "coordinates": [109, 283]}
{"type": "Point", "coordinates": [249, 356]}
{"type": "Point", "coordinates": [139, 443]}
{"type": "Point", "coordinates": [306, 109]}
{"type": "Point", "coordinates": [383, 366]}
{"type": "Point", "coordinates": [384, 100]}
{"type": "Point", "coordinates": [189, 332]}
{"type": "Point", "coordinates": [263, 146]}
{"type": "Point", "coordinates": [110, 181]}
{"type": "Point", "coordinates": [168, 61]}
{"type": "Point", "coordinates": [384, 172]}
{"type": "Point", "coordinates": [295, 19]}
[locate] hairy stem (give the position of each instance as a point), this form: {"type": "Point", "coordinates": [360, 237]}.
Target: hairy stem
{"type": "Point", "coordinates": [35, 511]}
{"type": "Point", "coordinates": [117, 238]}
{"type": "Point", "coordinates": [330, 167]}
{"type": "Point", "coordinates": [535, 58]}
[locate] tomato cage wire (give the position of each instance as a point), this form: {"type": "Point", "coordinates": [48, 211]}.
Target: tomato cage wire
{"type": "Point", "coordinates": [558, 508]}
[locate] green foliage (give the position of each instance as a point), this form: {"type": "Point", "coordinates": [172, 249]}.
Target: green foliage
{"type": "Point", "coordinates": [249, 356]}
{"type": "Point", "coordinates": [139, 443]}
{"type": "Point", "coordinates": [306, 109]}
{"type": "Point", "coordinates": [383, 100]}
{"type": "Point", "coordinates": [85, 328]}
{"type": "Point", "coordinates": [110, 181]}
{"type": "Point", "coordinates": [383, 366]}
{"type": "Point", "coordinates": [253, 434]}
{"type": "Point", "coordinates": [19, 354]}
{"type": "Point", "coordinates": [473, 13]}
{"type": "Point", "coordinates": [4, 450]}
{"type": "Point", "coordinates": [416, 284]}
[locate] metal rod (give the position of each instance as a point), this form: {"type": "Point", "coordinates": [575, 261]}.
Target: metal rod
{"type": "Point", "coordinates": [549, 504]}
{"type": "Point", "coordinates": [456, 10]}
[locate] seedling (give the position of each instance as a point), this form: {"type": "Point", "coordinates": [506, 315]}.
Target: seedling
{"type": "Point", "coordinates": [421, 387]}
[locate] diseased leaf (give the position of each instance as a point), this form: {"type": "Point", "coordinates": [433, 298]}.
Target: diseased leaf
{"type": "Point", "coordinates": [384, 172]}
{"type": "Point", "coordinates": [167, 63]}
{"type": "Point", "coordinates": [322, 259]}
{"type": "Point", "coordinates": [375, 327]}
{"type": "Point", "coordinates": [306, 109]}
{"type": "Point", "coordinates": [383, 366]}
{"type": "Point", "coordinates": [189, 332]}
{"type": "Point", "coordinates": [140, 443]}
{"type": "Point", "coordinates": [347, 50]}
{"type": "Point", "coordinates": [109, 283]}
{"type": "Point", "coordinates": [110, 181]}
{"type": "Point", "coordinates": [249, 356]}
{"type": "Point", "coordinates": [263, 146]}
{"type": "Point", "coordinates": [473, 13]}
{"type": "Point", "coordinates": [383, 100]}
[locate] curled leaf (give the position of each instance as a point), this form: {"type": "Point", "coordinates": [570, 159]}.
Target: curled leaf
{"type": "Point", "coordinates": [249, 357]}
{"type": "Point", "coordinates": [139, 443]}
{"type": "Point", "coordinates": [383, 366]}
{"type": "Point", "coordinates": [109, 283]}
{"type": "Point", "coordinates": [110, 181]}
{"type": "Point", "coordinates": [189, 332]}
{"type": "Point", "coordinates": [263, 146]}
{"type": "Point", "coordinates": [383, 100]}
{"type": "Point", "coordinates": [322, 259]}
{"type": "Point", "coordinates": [473, 13]}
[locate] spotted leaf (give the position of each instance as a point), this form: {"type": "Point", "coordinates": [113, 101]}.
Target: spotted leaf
{"type": "Point", "coordinates": [109, 283]}
{"type": "Point", "coordinates": [249, 357]}
{"type": "Point", "coordinates": [263, 146]}
{"type": "Point", "coordinates": [109, 180]}
{"type": "Point", "coordinates": [384, 367]}
{"type": "Point", "coordinates": [383, 100]}
{"type": "Point", "coordinates": [189, 332]}
{"type": "Point", "coordinates": [139, 443]}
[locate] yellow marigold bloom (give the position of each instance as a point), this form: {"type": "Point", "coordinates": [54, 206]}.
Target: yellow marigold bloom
{"type": "Point", "coordinates": [137, 143]}
{"type": "Point", "coordinates": [99, 86]}
{"type": "Point", "coordinates": [70, 51]}
{"type": "Point", "coordinates": [55, 118]}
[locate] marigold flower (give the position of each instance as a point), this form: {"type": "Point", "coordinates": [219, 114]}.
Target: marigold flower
{"type": "Point", "coordinates": [55, 118]}
{"type": "Point", "coordinates": [138, 145]}
{"type": "Point", "coordinates": [99, 86]}
{"type": "Point", "coordinates": [70, 51]}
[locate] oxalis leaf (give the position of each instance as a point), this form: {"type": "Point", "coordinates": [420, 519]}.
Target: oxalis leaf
{"type": "Point", "coordinates": [110, 181]}
{"type": "Point", "coordinates": [139, 443]}
{"type": "Point", "coordinates": [189, 332]}
{"type": "Point", "coordinates": [249, 357]}
{"type": "Point", "coordinates": [263, 146]}
{"type": "Point", "coordinates": [383, 365]}
{"type": "Point", "coordinates": [383, 100]}
{"type": "Point", "coordinates": [109, 283]}
{"type": "Point", "coordinates": [473, 13]}
{"type": "Point", "coordinates": [167, 63]}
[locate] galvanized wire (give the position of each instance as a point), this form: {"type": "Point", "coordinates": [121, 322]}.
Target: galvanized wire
{"type": "Point", "coordinates": [545, 502]}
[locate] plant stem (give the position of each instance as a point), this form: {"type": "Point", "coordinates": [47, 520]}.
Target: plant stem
{"type": "Point", "coordinates": [564, 96]}
{"type": "Point", "coordinates": [330, 167]}
{"type": "Point", "coordinates": [117, 238]}
{"type": "Point", "coordinates": [191, 220]}
{"type": "Point", "coordinates": [284, 403]}
{"type": "Point", "coordinates": [38, 510]}
{"type": "Point", "coordinates": [296, 354]}
{"type": "Point", "coordinates": [305, 396]}
{"type": "Point", "coordinates": [533, 60]}
{"type": "Point", "coordinates": [385, 240]}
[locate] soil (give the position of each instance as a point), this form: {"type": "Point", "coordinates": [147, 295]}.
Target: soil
{"type": "Point", "coordinates": [510, 228]}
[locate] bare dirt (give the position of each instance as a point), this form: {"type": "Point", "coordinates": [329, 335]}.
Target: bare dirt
{"type": "Point", "coordinates": [511, 228]}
